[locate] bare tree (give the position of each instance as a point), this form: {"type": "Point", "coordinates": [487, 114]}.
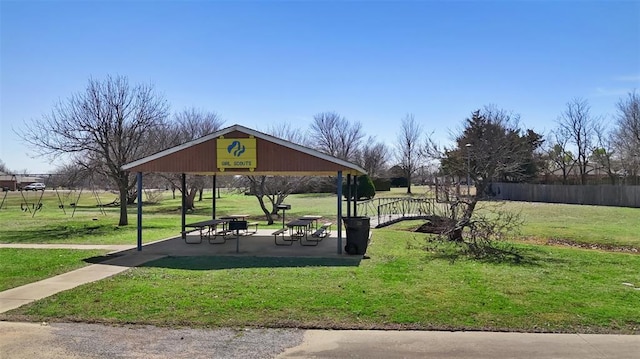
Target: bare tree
{"type": "Point", "coordinates": [190, 124]}
{"type": "Point", "coordinates": [626, 133]}
{"type": "Point", "coordinates": [373, 157]}
{"type": "Point", "coordinates": [628, 118]}
{"type": "Point", "coordinates": [108, 124]}
{"type": "Point", "coordinates": [409, 153]}
{"type": "Point", "coordinates": [276, 188]}
{"type": "Point", "coordinates": [3, 167]}
{"type": "Point", "coordinates": [194, 123]}
{"type": "Point", "coordinates": [577, 121]}
{"type": "Point", "coordinates": [557, 153]}
{"type": "Point", "coordinates": [71, 175]}
{"type": "Point", "coordinates": [287, 132]}
{"type": "Point", "coordinates": [604, 154]}
{"type": "Point", "coordinates": [334, 135]}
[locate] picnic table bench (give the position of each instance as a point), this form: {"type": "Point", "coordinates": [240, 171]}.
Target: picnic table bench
{"type": "Point", "coordinates": [253, 224]}
{"type": "Point", "coordinates": [281, 233]}
{"type": "Point", "coordinates": [323, 231]}
{"type": "Point", "coordinates": [318, 235]}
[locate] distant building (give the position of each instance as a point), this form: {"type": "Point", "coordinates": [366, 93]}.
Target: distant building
{"type": "Point", "coordinates": [15, 182]}
{"type": "Point", "coordinates": [8, 182]}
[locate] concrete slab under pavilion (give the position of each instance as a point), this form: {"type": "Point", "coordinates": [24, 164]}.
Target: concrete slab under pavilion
{"type": "Point", "coordinates": [260, 244]}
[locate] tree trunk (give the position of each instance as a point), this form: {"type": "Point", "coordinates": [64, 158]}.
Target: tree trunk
{"type": "Point", "coordinates": [266, 211]}
{"type": "Point", "coordinates": [190, 199]}
{"type": "Point", "coordinates": [132, 196]}
{"type": "Point", "coordinates": [453, 224]}
{"type": "Point", "coordinates": [200, 194]}
{"type": "Point", "coordinates": [582, 168]}
{"type": "Point", "coordinates": [122, 187]}
{"type": "Point", "coordinates": [456, 235]}
{"type": "Point", "coordinates": [443, 226]}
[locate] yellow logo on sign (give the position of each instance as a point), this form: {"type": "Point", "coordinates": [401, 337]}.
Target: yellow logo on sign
{"type": "Point", "coordinates": [236, 153]}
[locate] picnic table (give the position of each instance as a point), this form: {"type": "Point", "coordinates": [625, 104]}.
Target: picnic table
{"type": "Point", "coordinates": [313, 218]}
{"type": "Point", "coordinates": [299, 228]}
{"type": "Point", "coordinates": [208, 229]}
{"type": "Point", "coordinates": [235, 217]}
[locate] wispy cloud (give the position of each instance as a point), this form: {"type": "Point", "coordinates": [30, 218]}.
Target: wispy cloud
{"type": "Point", "coordinates": [617, 86]}
{"type": "Point", "coordinates": [604, 92]}
{"type": "Point", "coordinates": [627, 78]}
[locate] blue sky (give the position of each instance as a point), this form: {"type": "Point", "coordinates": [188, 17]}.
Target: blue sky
{"type": "Point", "coordinates": [262, 63]}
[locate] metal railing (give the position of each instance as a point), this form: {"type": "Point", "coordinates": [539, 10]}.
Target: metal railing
{"type": "Point", "coordinates": [390, 209]}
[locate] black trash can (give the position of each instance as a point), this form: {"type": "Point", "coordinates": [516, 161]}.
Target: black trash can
{"type": "Point", "coordinates": [357, 234]}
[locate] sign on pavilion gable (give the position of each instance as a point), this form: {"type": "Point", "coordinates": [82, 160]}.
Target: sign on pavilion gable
{"type": "Point", "coordinates": [236, 153]}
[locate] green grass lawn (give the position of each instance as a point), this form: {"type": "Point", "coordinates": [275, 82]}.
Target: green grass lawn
{"type": "Point", "coordinates": [161, 220]}
{"type": "Point", "coordinates": [23, 266]}
{"type": "Point", "coordinates": [402, 286]}
{"type": "Point", "coordinates": [615, 226]}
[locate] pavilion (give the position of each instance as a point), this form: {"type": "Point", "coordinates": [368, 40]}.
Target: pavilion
{"type": "Point", "coordinates": [238, 150]}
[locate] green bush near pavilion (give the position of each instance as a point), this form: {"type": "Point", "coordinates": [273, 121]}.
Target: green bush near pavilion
{"type": "Point", "coordinates": [365, 189]}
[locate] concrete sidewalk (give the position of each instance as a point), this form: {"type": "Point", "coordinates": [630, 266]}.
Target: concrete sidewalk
{"type": "Point", "coordinates": [468, 345]}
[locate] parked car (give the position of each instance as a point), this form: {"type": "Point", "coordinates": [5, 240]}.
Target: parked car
{"type": "Point", "coordinates": [34, 187]}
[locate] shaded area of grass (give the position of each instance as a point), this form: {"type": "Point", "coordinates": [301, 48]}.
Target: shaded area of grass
{"type": "Point", "coordinates": [82, 231]}
{"type": "Point", "coordinates": [56, 233]}
{"type": "Point", "coordinates": [23, 266]}
{"type": "Point", "coordinates": [402, 286]}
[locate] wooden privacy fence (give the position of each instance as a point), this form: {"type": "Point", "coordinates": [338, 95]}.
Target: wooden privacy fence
{"type": "Point", "coordinates": [599, 195]}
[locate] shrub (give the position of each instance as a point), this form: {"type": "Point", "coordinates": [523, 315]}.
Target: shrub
{"type": "Point", "coordinates": [366, 189]}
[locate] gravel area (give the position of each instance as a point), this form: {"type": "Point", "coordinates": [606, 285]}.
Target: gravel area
{"type": "Point", "coordinates": [74, 340]}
